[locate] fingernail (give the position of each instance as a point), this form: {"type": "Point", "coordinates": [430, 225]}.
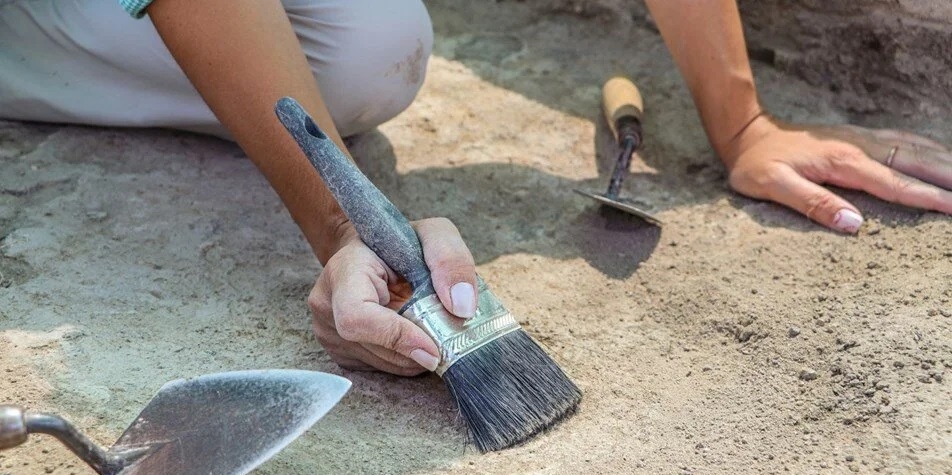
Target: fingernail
{"type": "Point", "coordinates": [847, 221]}
{"type": "Point", "coordinates": [464, 300]}
{"type": "Point", "coordinates": [424, 359]}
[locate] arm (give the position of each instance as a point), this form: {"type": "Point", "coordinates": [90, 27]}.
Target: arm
{"type": "Point", "coordinates": [788, 163]}
{"type": "Point", "coordinates": [242, 56]}
{"type": "Point", "coordinates": [241, 76]}
{"type": "Point", "coordinates": [706, 41]}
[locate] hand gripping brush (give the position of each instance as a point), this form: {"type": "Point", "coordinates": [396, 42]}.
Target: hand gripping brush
{"type": "Point", "coordinates": [623, 109]}
{"type": "Point", "coordinates": [505, 385]}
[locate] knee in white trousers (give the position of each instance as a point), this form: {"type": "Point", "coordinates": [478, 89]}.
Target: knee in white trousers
{"type": "Point", "coordinates": [87, 62]}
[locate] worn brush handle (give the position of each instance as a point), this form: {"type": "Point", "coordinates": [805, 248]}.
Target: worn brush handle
{"type": "Point", "coordinates": [378, 222]}
{"type": "Point", "coordinates": [623, 107]}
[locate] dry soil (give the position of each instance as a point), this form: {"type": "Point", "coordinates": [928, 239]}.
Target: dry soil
{"type": "Point", "coordinates": [738, 338]}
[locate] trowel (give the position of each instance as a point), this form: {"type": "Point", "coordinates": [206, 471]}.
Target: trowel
{"type": "Point", "coordinates": [217, 424]}
{"type": "Point", "coordinates": [624, 109]}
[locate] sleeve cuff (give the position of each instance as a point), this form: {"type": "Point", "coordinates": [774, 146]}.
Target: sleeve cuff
{"type": "Point", "coordinates": [136, 8]}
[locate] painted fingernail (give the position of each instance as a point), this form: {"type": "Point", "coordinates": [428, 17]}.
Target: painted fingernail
{"type": "Point", "coordinates": [424, 359]}
{"type": "Point", "coordinates": [464, 300]}
{"type": "Point", "coordinates": [847, 221]}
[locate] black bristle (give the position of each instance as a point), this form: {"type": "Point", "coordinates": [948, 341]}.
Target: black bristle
{"type": "Point", "coordinates": [507, 390]}
{"type": "Point", "coordinates": [510, 389]}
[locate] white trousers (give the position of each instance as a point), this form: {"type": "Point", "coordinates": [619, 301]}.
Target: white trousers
{"type": "Point", "coordinates": [88, 62]}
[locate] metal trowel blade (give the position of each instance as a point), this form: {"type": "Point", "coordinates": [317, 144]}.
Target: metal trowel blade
{"type": "Point", "coordinates": [623, 205]}
{"type": "Point", "coordinates": [227, 423]}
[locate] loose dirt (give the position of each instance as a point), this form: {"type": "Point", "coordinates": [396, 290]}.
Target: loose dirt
{"type": "Point", "coordinates": [740, 338]}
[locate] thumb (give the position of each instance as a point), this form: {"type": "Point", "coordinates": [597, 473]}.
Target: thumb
{"type": "Point", "coordinates": [359, 316]}
{"type": "Point", "coordinates": [815, 201]}
{"type": "Point", "coordinates": [451, 265]}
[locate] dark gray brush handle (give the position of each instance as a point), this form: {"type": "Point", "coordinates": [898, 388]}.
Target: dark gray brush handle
{"type": "Point", "coordinates": [378, 222]}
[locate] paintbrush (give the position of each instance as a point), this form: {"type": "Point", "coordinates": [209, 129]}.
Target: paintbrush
{"type": "Point", "coordinates": [507, 388]}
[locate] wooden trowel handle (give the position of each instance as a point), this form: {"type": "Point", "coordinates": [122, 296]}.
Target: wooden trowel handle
{"type": "Point", "coordinates": [623, 108]}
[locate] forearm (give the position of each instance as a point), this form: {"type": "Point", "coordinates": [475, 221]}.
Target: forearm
{"type": "Point", "coordinates": [242, 56]}
{"type": "Point", "coordinates": [707, 42]}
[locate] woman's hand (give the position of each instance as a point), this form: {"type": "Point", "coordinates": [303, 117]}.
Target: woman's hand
{"type": "Point", "coordinates": [355, 300]}
{"type": "Point", "coordinates": [783, 162]}
{"type": "Point", "coordinates": [788, 164]}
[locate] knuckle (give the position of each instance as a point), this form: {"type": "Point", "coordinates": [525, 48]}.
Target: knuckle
{"type": "Point", "coordinates": [758, 182]}
{"type": "Point", "coordinates": [919, 157]}
{"type": "Point", "coordinates": [393, 335]}
{"type": "Point", "coordinates": [332, 345]}
{"type": "Point", "coordinates": [843, 157]}
{"type": "Point", "coordinates": [769, 177]}
{"type": "Point", "coordinates": [819, 201]}
{"type": "Point", "coordinates": [349, 325]}
{"type": "Point", "coordinates": [319, 304]}
{"type": "Point", "coordinates": [327, 337]}
{"type": "Point", "coordinates": [898, 187]}
{"type": "Point", "coordinates": [452, 263]}
{"type": "Point", "coordinates": [439, 261]}
{"type": "Point", "coordinates": [342, 260]}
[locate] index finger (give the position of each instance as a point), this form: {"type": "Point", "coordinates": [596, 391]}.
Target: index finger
{"type": "Point", "coordinates": [360, 317]}
{"type": "Point", "coordinates": [452, 267]}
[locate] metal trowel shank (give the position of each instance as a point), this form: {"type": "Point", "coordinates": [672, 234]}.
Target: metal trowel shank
{"type": "Point", "coordinates": [623, 107]}
{"type": "Point", "coordinates": [218, 424]}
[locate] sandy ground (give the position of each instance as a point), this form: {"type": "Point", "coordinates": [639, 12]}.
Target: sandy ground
{"type": "Point", "coordinates": [740, 338]}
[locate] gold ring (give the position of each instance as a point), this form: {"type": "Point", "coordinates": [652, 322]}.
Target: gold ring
{"type": "Point", "coordinates": [892, 156]}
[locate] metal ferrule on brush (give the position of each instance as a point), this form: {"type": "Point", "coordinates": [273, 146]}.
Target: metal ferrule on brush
{"type": "Point", "coordinates": [457, 337]}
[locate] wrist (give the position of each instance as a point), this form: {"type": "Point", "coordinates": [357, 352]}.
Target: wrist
{"type": "Point", "coordinates": [337, 232]}
{"type": "Point", "coordinates": [731, 115]}
{"type": "Point", "coordinates": [731, 143]}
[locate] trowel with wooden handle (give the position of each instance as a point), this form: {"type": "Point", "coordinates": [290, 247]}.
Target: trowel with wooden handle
{"type": "Point", "coordinates": [624, 110]}
{"type": "Point", "coordinates": [218, 424]}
